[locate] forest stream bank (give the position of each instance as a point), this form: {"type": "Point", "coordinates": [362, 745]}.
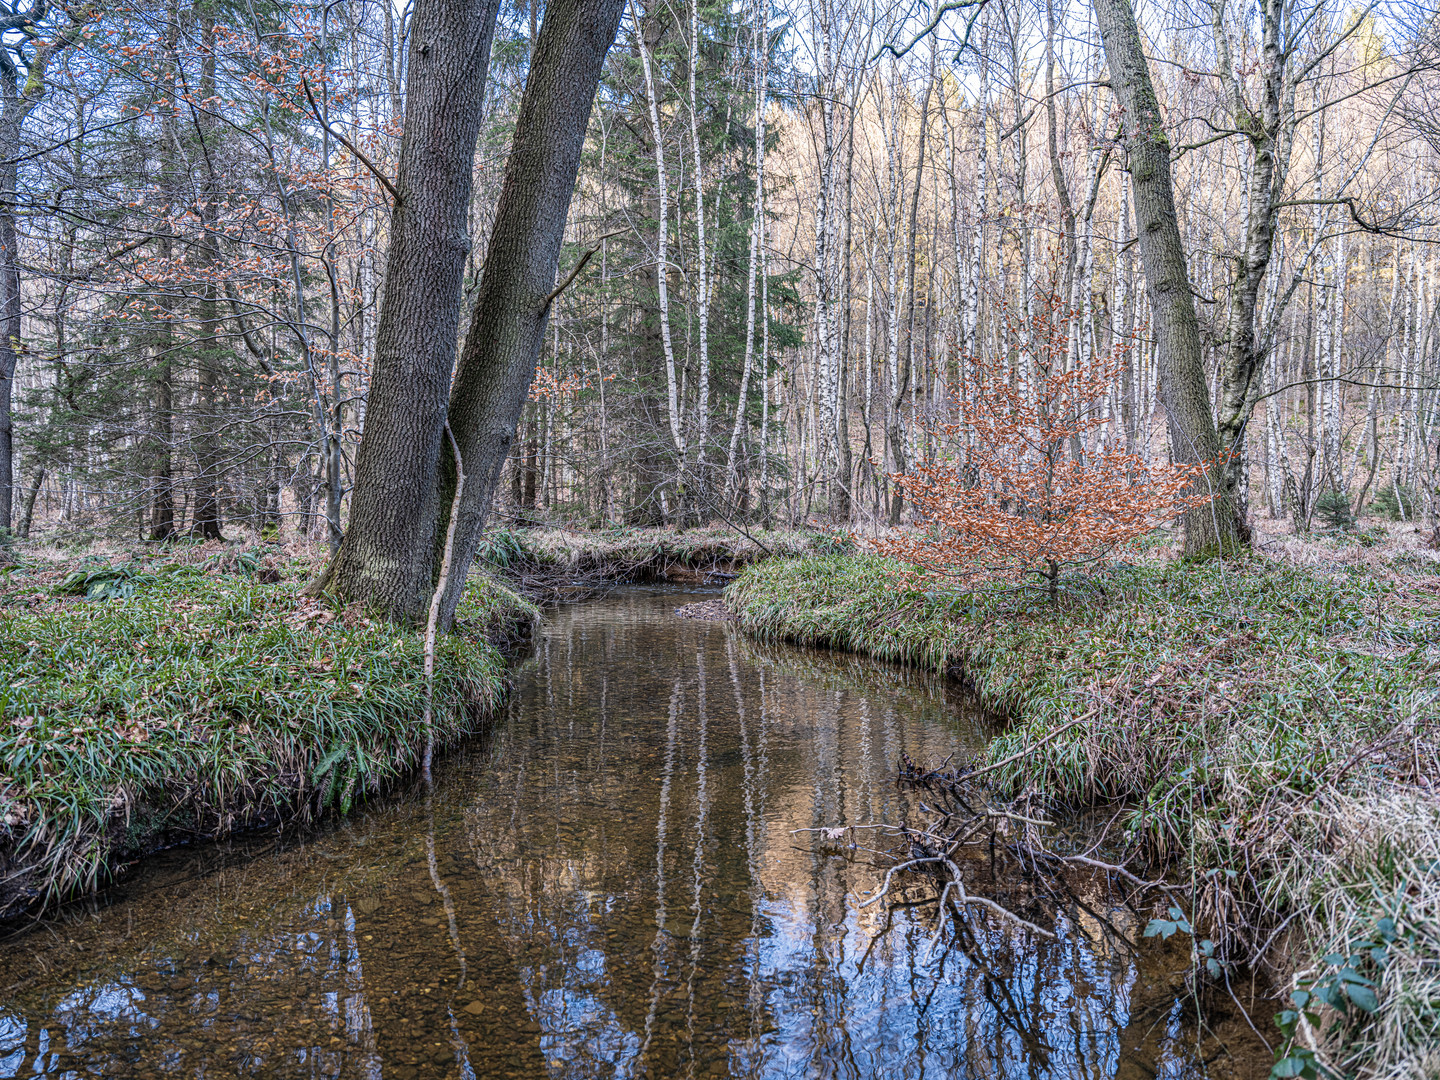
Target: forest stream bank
{"type": "Point", "coordinates": [155, 701]}
{"type": "Point", "coordinates": [630, 873]}
{"type": "Point", "coordinates": [1268, 731]}
{"type": "Point", "coordinates": [189, 692]}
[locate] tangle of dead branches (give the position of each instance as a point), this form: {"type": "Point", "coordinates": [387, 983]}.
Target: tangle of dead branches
{"type": "Point", "coordinates": [962, 848]}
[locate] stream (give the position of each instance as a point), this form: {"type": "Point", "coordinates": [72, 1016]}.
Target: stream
{"type": "Point", "coordinates": [609, 883]}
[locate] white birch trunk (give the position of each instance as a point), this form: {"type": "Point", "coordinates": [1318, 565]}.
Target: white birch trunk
{"type": "Point", "coordinates": [702, 396]}
{"type": "Point", "coordinates": [662, 249]}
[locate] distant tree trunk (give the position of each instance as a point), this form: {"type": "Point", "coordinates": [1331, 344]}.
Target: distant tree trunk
{"type": "Point", "coordinates": [384, 559]}
{"type": "Point", "coordinates": [161, 461]}
{"type": "Point", "coordinates": [512, 304]}
{"type": "Point", "coordinates": [20, 93]}
{"type": "Point", "coordinates": [207, 521]}
{"type": "Point", "coordinates": [841, 504]}
{"type": "Point", "coordinates": [27, 511]}
{"type": "Point", "coordinates": [1193, 437]}
{"type": "Point", "coordinates": [971, 315]}
{"type": "Point", "coordinates": [731, 457]}
{"type": "Point", "coordinates": [702, 380]}
{"type": "Point", "coordinates": [897, 430]}
{"type": "Point", "coordinates": [662, 249]}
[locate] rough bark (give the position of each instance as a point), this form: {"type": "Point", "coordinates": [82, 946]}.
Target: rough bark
{"type": "Point", "coordinates": [497, 363]}
{"type": "Point", "coordinates": [1269, 129]}
{"type": "Point", "coordinates": [1193, 436]}
{"type": "Point", "coordinates": [385, 558]}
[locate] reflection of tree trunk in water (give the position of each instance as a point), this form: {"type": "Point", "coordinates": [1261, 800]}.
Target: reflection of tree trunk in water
{"type": "Point", "coordinates": [702, 822]}
{"type": "Point", "coordinates": [755, 776]}
{"type": "Point", "coordinates": [657, 948]}
{"type": "Point", "coordinates": [397, 961]}
{"type": "Point", "coordinates": [462, 1049]}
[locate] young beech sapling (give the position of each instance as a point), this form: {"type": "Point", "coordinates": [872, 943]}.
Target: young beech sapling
{"type": "Point", "coordinates": [1032, 479]}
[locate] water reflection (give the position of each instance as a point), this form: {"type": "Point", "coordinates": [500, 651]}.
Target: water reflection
{"type": "Point", "coordinates": [610, 886]}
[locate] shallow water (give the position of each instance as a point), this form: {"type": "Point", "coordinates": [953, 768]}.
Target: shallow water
{"type": "Point", "coordinates": [610, 884]}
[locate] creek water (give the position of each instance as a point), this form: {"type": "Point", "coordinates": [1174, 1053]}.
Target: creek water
{"type": "Point", "coordinates": [610, 883]}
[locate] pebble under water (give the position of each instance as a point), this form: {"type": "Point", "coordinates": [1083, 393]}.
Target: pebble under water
{"type": "Point", "coordinates": [609, 884]}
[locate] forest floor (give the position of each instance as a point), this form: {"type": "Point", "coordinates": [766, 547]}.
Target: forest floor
{"type": "Point", "coordinates": [1267, 730]}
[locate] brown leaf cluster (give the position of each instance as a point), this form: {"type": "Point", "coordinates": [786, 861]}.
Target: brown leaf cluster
{"type": "Point", "coordinates": [1031, 483]}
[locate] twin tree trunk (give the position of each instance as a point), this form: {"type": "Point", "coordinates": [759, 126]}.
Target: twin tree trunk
{"type": "Point", "coordinates": [1180, 360]}
{"type": "Point", "coordinates": [405, 475]}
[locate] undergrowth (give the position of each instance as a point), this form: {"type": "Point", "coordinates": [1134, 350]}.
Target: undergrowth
{"type": "Point", "coordinates": [1271, 728]}
{"type": "Point", "coordinates": [555, 562]}
{"type": "Point", "coordinates": [192, 700]}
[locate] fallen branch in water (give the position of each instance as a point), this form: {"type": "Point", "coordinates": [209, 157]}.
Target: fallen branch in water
{"type": "Point", "coordinates": [961, 822]}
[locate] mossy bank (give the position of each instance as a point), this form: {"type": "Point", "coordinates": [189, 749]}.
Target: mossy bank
{"type": "Point", "coordinates": [178, 702]}
{"type": "Point", "coordinates": [1267, 732]}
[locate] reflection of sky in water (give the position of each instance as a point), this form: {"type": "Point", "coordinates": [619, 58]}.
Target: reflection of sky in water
{"type": "Point", "coordinates": [619, 880]}
{"type": "Point", "coordinates": [12, 1043]}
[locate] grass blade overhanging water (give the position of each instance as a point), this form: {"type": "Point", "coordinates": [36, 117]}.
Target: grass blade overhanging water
{"type": "Point", "coordinates": [192, 703]}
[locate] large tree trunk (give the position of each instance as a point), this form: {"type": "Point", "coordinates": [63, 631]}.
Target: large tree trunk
{"type": "Point", "coordinates": [1183, 392]}
{"type": "Point", "coordinates": [385, 560]}
{"type": "Point", "coordinates": [497, 363]}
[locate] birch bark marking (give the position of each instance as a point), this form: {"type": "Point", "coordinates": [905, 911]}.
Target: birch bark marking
{"type": "Point", "coordinates": [826, 360]}
{"type": "Point", "coordinates": [1334, 392]}
{"type": "Point", "coordinates": [893, 212]}
{"type": "Point", "coordinates": [977, 239]}
{"type": "Point", "coordinates": [662, 248]}
{"type": "Point", "coordinates": [702, 396]}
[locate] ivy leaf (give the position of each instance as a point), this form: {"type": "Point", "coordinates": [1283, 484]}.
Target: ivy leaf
{"type": "Point", "coordinates": [1293, 1066]}
{"type": "Point", "coordinates": [1363, 997]}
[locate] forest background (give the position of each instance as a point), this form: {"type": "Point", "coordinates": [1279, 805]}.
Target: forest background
{"type": "Point", "coordinates": [801, 221]}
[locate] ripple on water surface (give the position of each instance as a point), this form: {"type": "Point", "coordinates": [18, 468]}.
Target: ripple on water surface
{"type": "Point", "coordinates": [609, 885]}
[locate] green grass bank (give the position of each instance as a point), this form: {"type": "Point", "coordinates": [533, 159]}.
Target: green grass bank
{"type": "Point", "coordinates": [179, 702]}
{"type": "Point", "coordinates": [1270, 734]}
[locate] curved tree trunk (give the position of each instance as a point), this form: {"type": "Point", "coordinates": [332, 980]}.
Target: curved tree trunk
{"type": "Point", "coordinates": [497, 363]}
{"type": "Point", "coordinates": [385, 559]}
{"type": "Point", "coordinates": [1193, 437]}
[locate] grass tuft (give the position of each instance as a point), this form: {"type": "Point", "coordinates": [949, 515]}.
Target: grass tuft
{"type": "Point", "coordinates": [196, 700]}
